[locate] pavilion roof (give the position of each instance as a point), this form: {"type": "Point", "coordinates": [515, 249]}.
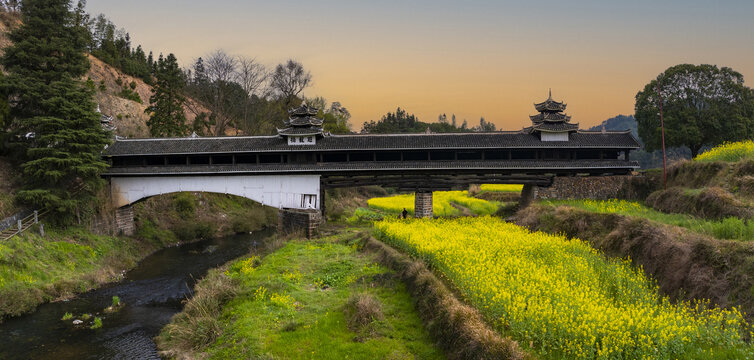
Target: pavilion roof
{"type": "Point", "coordinates": [369, 142]}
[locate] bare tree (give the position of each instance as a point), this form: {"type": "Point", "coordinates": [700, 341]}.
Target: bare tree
{"type": "Point", "coordinates": [11, 5]}
{"type": "Point", "coordinates": [289, 80]}
{"type": "Point", "coordinates": [252, 76]}
{"type": "Point", "coordinates": [221, 73]}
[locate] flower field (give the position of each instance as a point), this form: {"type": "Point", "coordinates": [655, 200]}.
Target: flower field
{"type": "Point", "coordinates": [729, 152]}
{"type": "Point", "coordinates": [501, 187]}
{"type": "Point", "coordinates": [441, 203]}
{"type": "Point", "coordinates": [563, 297]}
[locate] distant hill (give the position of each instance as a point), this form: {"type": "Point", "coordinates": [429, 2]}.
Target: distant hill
{"type": "Point", "coordinates": [646, 160]}
{"type": "Point", "coordinates": [619, 123]}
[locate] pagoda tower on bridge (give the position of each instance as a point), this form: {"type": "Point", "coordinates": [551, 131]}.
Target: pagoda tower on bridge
{"type": "Point", "coordinates": [552, 124]}
{"type": "Point", "coordinates": [302, 126]}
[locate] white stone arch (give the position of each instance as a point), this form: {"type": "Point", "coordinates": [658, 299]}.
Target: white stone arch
{"type": "Point", "coordinates": [279, 191]}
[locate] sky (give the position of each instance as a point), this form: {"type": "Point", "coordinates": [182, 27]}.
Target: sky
{"type": "Point", "coordinates": [471, 58]}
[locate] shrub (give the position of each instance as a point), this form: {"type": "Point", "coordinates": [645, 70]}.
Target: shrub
{"type": "Point", "coordinates": [240, 225]}
{"type": "Point", "coordinates": [132, 85]}
{"type": "Point", "coordinates": [96, 324]}
{"type": "Point", "coordinates": [187, 231]}
{"type": "Point", "coordinates": [129, 94]}
{"type": "Point", "coordinates": [185, 204]}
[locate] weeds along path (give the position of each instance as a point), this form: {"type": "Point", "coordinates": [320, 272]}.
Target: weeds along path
{"type": "Point", "coordinates": [562, 297]}
{"type": "Point", "coordinates": [320, 299]}
{"type": "Point", "coordinates": [685, 264]}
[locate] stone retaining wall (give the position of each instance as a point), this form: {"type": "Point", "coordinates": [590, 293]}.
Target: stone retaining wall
{"type": "Point", "coordinates": [290, 220]}
{"type": "Point", "coordinates": [124, 220]}
{"type": "Point", "coordinates": [584, 187]}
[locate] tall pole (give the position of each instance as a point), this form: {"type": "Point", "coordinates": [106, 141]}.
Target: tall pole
{"type": "Point", "coordinates": [662, 128]}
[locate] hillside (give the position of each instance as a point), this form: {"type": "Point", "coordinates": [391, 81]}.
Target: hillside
{"type": "Point", "coordinates": [128, 115]}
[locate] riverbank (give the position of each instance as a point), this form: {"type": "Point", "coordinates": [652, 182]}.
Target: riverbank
{"type": "Point", "coordinates": [36, 269]}
{"type": "Point", "coordinates": [320, 298]}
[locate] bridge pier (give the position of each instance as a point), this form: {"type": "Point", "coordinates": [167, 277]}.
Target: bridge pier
{"type": "Point", "coordinates": [528, 193]}
{"type": "Point", "coordinates": [423, 204]}
{"type": "Point", "coordinates": [124, 220]}
{"type": "Point", "coordinates": [293, 220]}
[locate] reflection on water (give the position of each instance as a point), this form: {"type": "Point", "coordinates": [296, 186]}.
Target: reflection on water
{"type": "Point", "coordinates": [151, 294]}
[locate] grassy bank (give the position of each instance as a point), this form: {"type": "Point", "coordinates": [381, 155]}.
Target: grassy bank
{"type": "Point", "coordinates": [727, 228]}
{"type": "Point", "coordinates": [320, 299]}
{"type": "Point", "coordinates": [36, 269]}
{"type": "Point", "coordinates": [562, 296]}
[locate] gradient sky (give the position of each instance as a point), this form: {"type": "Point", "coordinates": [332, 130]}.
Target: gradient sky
{"type": "Point", "coordinates": [472, 58]}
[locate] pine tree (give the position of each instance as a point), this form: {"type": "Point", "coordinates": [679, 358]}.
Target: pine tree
{"type": "Point", "coordinates": [167, 117]}
{"type": "Point", "coordinates": [53, 117]}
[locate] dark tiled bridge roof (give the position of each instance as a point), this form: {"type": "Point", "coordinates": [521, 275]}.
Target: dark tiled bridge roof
{"type": "Point", "coordinates": [514, 166]}
{"type": "Point", "coordinates": [493, 140]}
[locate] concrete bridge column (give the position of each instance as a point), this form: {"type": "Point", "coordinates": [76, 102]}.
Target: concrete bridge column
{"type": "Point", "coordinates": [124, 220]}
{"type": "Point", "coordinates": [423, 204]}
{"type": "Point", "coordinates": [528, 194]}
{"type": "Point", "coordinates": [294, 220]}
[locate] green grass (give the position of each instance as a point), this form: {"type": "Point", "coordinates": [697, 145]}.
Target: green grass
{"type": "Point", "coordinates": [293, 306]}
{"type": "Point", "coordinates": [729, 228]}
{"type": "Point", "coordinates": [35, 269]}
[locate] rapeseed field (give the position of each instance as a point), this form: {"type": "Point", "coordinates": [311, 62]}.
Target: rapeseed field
{"type": "Point", "coordinates": [562, 297]}
{"type": "Point", "coordinates": [732, 152]}
{"type": "Point", "coordinates": [501, 187]}
{"type": "Point", "coordinates": [441, 203]}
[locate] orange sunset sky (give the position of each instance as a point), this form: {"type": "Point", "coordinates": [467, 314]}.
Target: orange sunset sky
{"type": "Point", "coordinates": [471, 58]}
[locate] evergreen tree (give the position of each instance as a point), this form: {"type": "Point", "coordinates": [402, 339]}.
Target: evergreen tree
{"type": "Point", "coordinates": [52, 115]}
{"type": "Point", "coordinates": [167, 117]}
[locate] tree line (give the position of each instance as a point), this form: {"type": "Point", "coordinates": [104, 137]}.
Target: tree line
{"type": "Point", "coordinates": [401, 121]}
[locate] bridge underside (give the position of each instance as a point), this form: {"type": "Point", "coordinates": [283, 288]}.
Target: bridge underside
{"type": "Point", "coordinates": [430, 182]}
{"type": "Point", "coordinates": [279, 191]}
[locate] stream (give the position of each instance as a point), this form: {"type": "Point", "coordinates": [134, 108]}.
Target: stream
{"type": "Point", "coordinates": [151, 294]}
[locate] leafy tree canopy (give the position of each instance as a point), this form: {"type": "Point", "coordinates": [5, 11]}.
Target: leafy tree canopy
{"type": "Point", "coordinates": [166, 113]}
{"type": "Point", "coordinates": [52, 121]}
{"type": "Point", "coordinates": [703, 105]}
{"type": "Point", "coordinates": [402, 122]}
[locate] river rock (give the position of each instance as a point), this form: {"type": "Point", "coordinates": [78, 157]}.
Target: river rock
{"type": "Point", "coordinates": [77, 322]}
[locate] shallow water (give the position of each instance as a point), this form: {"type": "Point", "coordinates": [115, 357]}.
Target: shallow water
{"type": "Point", "coordinates": [151, 294]}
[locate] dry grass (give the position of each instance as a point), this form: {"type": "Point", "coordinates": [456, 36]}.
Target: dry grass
{"type": "Point", "coordinates": [709, 203]}
{"type": "Point", "coordinates": [686, 265]}
{"type": "Point", "coordinates": [460, 329]}
{"type": "Point", "coordinates": [364, 315]}
{"type": "Point", "coordinates": [197, 325]}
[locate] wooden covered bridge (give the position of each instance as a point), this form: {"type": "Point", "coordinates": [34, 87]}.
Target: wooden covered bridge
{"type": "Point", "coordinates": [292, 170]}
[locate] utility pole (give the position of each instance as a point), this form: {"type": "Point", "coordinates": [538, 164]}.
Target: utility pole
{"type": "Point", "coordinates": [662, 128]}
